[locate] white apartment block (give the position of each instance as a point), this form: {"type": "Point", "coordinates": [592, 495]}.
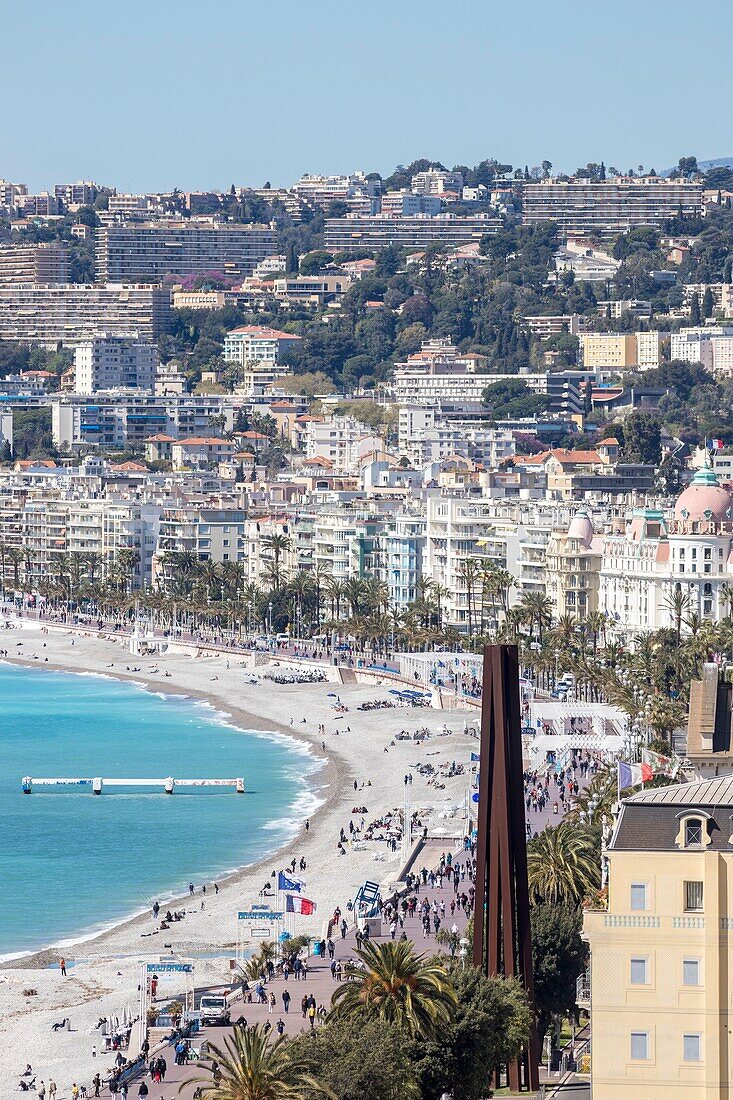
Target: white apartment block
{"type": "Point", "coordinates": [112, 362]}
{"type": "Point", "coordinates": [211, 534]}
{"type": "Point", "coordinates": [51, 527]}
{"type": "Point", "coordinates": [341, 440]}
{"type": "Point", "coordinates": [439, 374]}
{"type": "Point", "coordinates": [256, 343]}
{"type": "Point", "coordinates": [81, 193]}
{"type": "Point", "coordinates": [418, 231]}
{"type": "Point", "coordinates": [321, 190]}
{"type": "Point", "coordinates": [436, 181]}
{"type": "Point", "coordinates": [425, 437]}
{"type": "Point", "coordinates": [582, 207]}
{"type": "Point", "coordinates": [47, 262]}
{"type": "Point", "coordinates": [712, 346]}
{"type": "Point", "coordinates": [69, 313]}
{"type": "Point", "coordinates": [150, 251]}
{"type": "Point", "coordinates": [257, 351]}
{"type": "Point", "coordinates": [621, 351]}
{"type": "Point", "coordinates": [124, 419]}
{"type": "Point", "coordinates": [407, 204]}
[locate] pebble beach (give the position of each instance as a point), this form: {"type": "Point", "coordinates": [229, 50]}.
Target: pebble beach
{"type": "Point", "coordinates": [103, 974]}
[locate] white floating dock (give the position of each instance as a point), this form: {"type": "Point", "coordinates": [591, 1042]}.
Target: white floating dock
{"type": "Point", "coordinates": [97, 784]}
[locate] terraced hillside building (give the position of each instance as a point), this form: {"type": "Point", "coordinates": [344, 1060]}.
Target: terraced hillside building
{"type": "Point", "coordinates": [605, 208]}
{"type": "Point", "coordinates": [70, 313]}
{"type": "Point", "coordinates": [150, 251]}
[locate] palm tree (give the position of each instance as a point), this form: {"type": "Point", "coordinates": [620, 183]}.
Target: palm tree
{"type": "Point", "coordinates": [394, 984]}
{"type": "Point", "coordinates": [677, 603]}
{"type": "Point", "coordinates": [354, 592]}
{"type": "Point", "coordinates": [470, 573]}
{"type": "Point", "coordinates": [538, 609]}
{"type": "Point", "coordinates": [562, 865]}
{"type": "Point", "coordinates": [279, 545]}
{"type": "Point", "coordinates": [250, 1067]}
{"type": "Point", "coordinates": [596, 623]}
{"type": "Point", "coordinates": [335, 591]}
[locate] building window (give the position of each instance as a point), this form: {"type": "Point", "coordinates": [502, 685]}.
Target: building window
{"type": "Point", "coordinates": [640, 1045]}
{"type": "Point", "coordinates": [693, 897]}
{"type": "Point", "coordinates": [691, 972]}
{"type": "Point", "coordinates": [638, 972]}
{"type": "Point", "coordinates": [638, 895]}
{"type": "Point", "coordinates": [691, 1048]}
{"type": "Point", "coordinates": [693, 833]}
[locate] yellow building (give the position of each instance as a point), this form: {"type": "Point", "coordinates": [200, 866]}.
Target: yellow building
{"type": "Point", "coordinates": [608, 350]}
{"type": "Point", "coordinates": [661, 961]}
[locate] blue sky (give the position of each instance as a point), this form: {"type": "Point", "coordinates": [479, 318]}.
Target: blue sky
{"type": "Point", "coordinates": [157, 94]}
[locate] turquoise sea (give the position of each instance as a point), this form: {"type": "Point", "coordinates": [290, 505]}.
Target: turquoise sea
{"type": "Point", "coordinates": [71, 862]}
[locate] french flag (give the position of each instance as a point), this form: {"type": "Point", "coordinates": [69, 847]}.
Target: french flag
{"type": "Point", "coordinates": [299, 905]}
{"type": "Point", "coordinates": [631, 775]}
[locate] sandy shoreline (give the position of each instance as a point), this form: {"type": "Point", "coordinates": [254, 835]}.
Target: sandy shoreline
{"type": "Point", "coordinates": [323, 784]}
{"type": "Point", "coordinates": [105, 976]}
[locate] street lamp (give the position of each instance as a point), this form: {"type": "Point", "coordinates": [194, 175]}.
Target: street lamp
{"type": "Point", "coordinates": [463, 952]}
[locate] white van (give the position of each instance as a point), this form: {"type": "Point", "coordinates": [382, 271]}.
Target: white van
{"type": "Point", "coordinates": [214, 1010]}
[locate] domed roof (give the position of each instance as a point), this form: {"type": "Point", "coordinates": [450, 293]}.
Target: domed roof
{"type": "Point", "coordinates": [704, 498]}
{"type": "Point", "coordinates": [581, 527]}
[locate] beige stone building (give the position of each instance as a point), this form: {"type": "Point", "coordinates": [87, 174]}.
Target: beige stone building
{"type": "Point", "coordinates": [661, 966]}
{"type": "Point", "coordinates": [573, 568]}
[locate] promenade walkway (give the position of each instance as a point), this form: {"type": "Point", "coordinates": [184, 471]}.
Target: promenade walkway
{"type": "Point", "coordinates": [319, 982]}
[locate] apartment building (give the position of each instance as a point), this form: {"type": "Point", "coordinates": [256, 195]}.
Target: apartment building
{"type": "Point", "coordinates": [34, 263]}
{"type": "Point", "coordinates": [323, 190]}
{"type": "Point", "coordinates": [110, 362]}
{"type": "Point", "coordinates": [314, 289]}
{"type": "Point", "coordinates": [201, 451]}
{"type": "Point", "coordinates": [543, 326]}
{"type": "Point", "coordinates": [617, 351]}
{"type": "Point", "coordinates": [204, 299]}
{"type": "Point", "coordinates": [151, 251]}
{"type": "Point", "coordinates": [603, 209]}
{"type": "Point", "coordinates": [406, 204]}
{"type": "Point", "coordinates": [402, 558]}
{"type": "Point", "coordinates": [426, 436]}
{"type": "Point", "coordinates": [124, 419]}
{"type": "Point", "coordinates": [54, 524]}
{"type": "Point", "coordinates": [588, 265]}
{"type": "Point", "coordinates": [130, 206]}
{"type": "Point", "coordinates": [419, 231]}
{"type": "Point", "coordinates": [210, 534]}
{"type": "Point", "coordinates": [42, 205]}
{"type": "Point", "coordinates": [256, 343]}
{"type": "Point", "coordinates": [11, 193]}
{"type": "Point", "coordinates": [437, 181]}
{"type": "Point", "coordinates": [711, 346]}
{"type": "Point", "coordinates": [660, 969]}
{"type": "Point", "coordinates": [342, 440]}
{"type": "Point", "coordinates": [257, 350]}
{"type": "Point", "coordinates": [573, 568]}
{"type": "Point", "coordinates": [70, 313]}
{"type": "Point", "coordinates": [439, 373]}
{"type": "Point", "coordinates": [347, 540]}
{"type": "Point", "coordinates": [81, 193]}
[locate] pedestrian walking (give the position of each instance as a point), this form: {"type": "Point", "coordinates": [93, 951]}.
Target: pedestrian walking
{"type": "Point", "coordinates": [304, 1006]}
{"type": "Point", "coordinates": [271, 1003]}
{"type": "Point", "coordinates": [286, 1000]}
{"type": "Point", "coordinates": [62, 967]}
